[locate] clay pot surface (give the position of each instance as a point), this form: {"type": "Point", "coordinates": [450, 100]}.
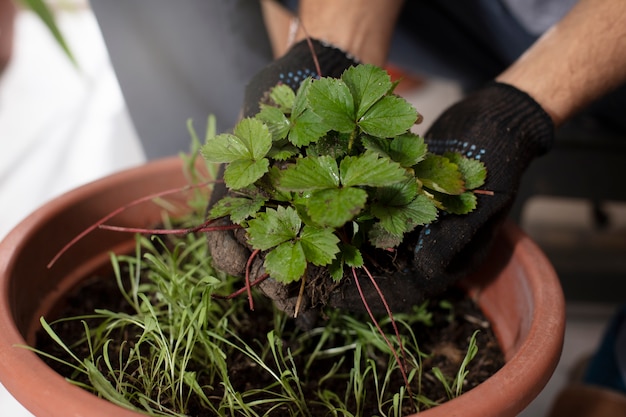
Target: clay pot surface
{"type": "Point", "coordinates": [518, 290]}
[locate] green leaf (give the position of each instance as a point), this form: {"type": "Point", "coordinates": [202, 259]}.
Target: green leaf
{"type": "Point", "coordinates": [286, 263]}
{"type": "Point", "coordinates": [348, 255]}
{"type": "Point", "coordinates": [269, 184]}
{"type": "Point", "coordinates": [459, 204]}
{"type": "Point", "coordinates": [335, 207]}
{"type": "Point", "coordinates": [331, 99]}
{"type": "Point", "coordinates": [408, 149]}
{"type": "Point", "coordinates": [306, 128]}
{"type": "Point", "coordinates": [255, 136]}
{"type": "Point", "coordinates": [238, 208]}
{"type": "Point", "coordinates": [398, 194]}
{"type": "Point", "coordinates": [390, 116]}
{"type": "Point", "coordinates": [370, 170]}
{"type": "Point", "coordinates": [473, 170]}
{"type": "Point", "coordinates": [319, 245]}
{"type": "Point", "coordinates": [335, 269]}
{"type": "Point", "coordinates": [351, 255]}
{"type": "Point", "coordinates": [251, 141]}
{"type": "Point", "coordinates": [381, 146]}
{"type": "Point", "coordinates": [273, 227]}
{"type": "Point", "coordinates": [223, 148]}
{"type": "Point", "coordinates": [276, 121]}
{"type": "Point", "coordinates": [368, 84]}
{"type": "Point", "coordinates": [301, 102]}
{"type": "Point", "coordinates": [312, 173]}
{"type": "Point", "coordinates": [398, 220]}
{"type": "Point", "coordinates": [282, 150]}
{"type": "Point", "coordinates": [393, 223]}
{"type": "Point", "coordinates": [439, 174]}
{"type": "Point", "coordinates": [334, 144]}
{"type": "Point", "coordinates": [241, 173]}
{"type": "Point", "coordinates": [41, 9]}
{"type": "Point", "coordinates": [284, 97]}
{"type": "Point", "coordinates": [383, 239]}
{"type": "Point", "coordinates": [104, 387]}
{"type": "Point", "coordinates": [244, 151]}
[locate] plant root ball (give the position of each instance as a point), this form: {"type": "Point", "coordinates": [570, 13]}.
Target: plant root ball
{"type": "Point", "coordinates": [228, 254]}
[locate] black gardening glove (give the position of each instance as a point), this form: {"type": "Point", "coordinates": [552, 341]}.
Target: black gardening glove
{"type": "Point", "coordinates": [501, 126]}
{"type": "Point", "coordinates": [505, 129]}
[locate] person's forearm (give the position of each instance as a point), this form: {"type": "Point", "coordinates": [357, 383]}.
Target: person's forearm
{"type": "Point", "coordinates": [577, 61]}
{"type": "Point", "coordinates": [362, 28]}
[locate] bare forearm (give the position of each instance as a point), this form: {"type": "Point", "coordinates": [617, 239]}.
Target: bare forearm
{"type": "Point", "coordinates": [362, 28]}
{"type": "Point", "coordinates": [577, 61]}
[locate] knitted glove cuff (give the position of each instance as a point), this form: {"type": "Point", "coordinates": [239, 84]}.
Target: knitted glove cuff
{"type": "Point", "coordinates": [332, 60]}
{"type": "Point", "coordinates": [518, 110]}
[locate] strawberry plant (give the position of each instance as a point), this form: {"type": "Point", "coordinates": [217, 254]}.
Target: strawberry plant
{"type": "Point", "coordinates": [322, 173]}
{"type": "Point", "coordinates": [320, 179]}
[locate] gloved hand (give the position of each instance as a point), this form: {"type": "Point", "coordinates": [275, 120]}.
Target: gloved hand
{"type": "Point", "coordinates": [505, 129]}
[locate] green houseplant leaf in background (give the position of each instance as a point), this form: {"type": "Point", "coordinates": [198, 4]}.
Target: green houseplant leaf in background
{"type": "Point", "coordinates": [41, 9]}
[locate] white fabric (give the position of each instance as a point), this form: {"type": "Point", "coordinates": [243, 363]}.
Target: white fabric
{"type": "Point", "coordinates": [59, 127]}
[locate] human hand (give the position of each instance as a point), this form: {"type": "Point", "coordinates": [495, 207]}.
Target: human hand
{"type": "Point", "coordinates": [505, 129]}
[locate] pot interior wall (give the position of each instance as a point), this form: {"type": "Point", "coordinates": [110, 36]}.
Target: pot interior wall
{"type": "Point", "coordinates": [37, 287]}
{"type": "Point", "coordinates": [502, 290]}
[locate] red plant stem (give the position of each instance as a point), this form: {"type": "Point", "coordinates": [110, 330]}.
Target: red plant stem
{"type": "Point", "coordinates": [483, 192]}
{"type": "Point", "coordinates": [116, 212]}
{"type": "Point", "coordinates": [312, 49]}
{"type": "Point", "coordinates": [401, 364]}
{"type": "Point", "coordinates": [242, 290]}
{"type": "Point", "coordinates": [389, 313]}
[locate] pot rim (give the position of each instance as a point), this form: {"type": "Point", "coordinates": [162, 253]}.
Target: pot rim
{"type": "Point", "coordinates": [516, 384]}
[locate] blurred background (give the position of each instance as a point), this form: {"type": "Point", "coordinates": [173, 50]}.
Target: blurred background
{"type": "Point", "coordinates": [63, 125]}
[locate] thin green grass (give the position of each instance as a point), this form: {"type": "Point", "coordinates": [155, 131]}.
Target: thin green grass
{"type": "Point", "coordinates": [183, 342]}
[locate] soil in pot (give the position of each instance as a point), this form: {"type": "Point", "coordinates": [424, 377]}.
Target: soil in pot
{"type": "Point", "coordinates": [454, 317]}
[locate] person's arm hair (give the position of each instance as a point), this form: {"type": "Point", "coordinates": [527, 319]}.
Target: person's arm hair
{"type": "Point", "coordinates": [577, 61]}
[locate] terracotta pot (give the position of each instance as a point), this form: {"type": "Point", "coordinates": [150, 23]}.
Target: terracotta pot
{"type": "Point", "coordinates": [518, 291]}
